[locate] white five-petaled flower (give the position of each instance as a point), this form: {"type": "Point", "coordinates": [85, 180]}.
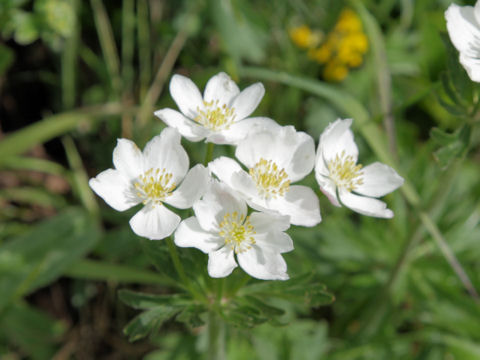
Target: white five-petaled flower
{"type": "Point", "coordinates": [342, 180]}
{"type": "Point", "coordinates": [153, 177]}
{"type": "Point", "coordinates": [275, 159]}
{"type": "Point", "coordinates": [222, 229]}
{"type": "Point", "coordinates": [463, 25]}
{"type": "Point", "coordinates": [220, 116]}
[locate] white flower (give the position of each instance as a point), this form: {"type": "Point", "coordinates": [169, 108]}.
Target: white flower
{"type": "Point", "coordinates": [153, 177]}
{"type": "Point", "coordinates": [275, 159]}
{"type": "Point", "coordinates": [220, 116]}
{"type": "Point", "coordinates": [340, 178]}
{"type": "Point", "coordinates": [463, 25]}
{"type": "Point", "coordinates": [222, 229]}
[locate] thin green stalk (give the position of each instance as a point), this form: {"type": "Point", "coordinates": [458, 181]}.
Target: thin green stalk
{"type": "Point", "coordinates": [179, 267]}
{"type": "Point", "coordinates": [128, 45]}
{"type": "Point", "coordinates": [449, 255]}
{"type": "Point", "coordinates": [128, 42]}
{"type": "Point", "coordinates": [144, 49]}
{"type": "Point", "coordinates": [383, 76]}
{"type": "Point", "coordinates": [69, 61]}
{"type": "Point", "coordinates": [80, 177]}
{"type": "Point", "coordinates": [216, 336]}
{"type": "Point", "coordinates": [209, 153]}
{"type": "Point", "coordinates": [161, 77]}
{"type": "Point", "coordinates": [52, 126]}
{"type": "Point", "coordinates": [107, 43]}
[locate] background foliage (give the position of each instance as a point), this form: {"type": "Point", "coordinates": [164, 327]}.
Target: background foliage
{"type": "Point", "coordinates": [77, 75]}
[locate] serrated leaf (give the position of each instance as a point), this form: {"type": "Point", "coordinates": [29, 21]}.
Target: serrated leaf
{"type": "Point", "coordinates": [148, 321]}
{"type": "Point", "coordinates": [245, 316]}
{"type": "Point", "coordinates": [453, 145]}
{"type": "Point", "coordinates": [138, 300]}
{"type": "Point", "coordinates": [305, 289]}
{"type": "Point", "coordinates": [268, 310]}
{"type": "Point", "coordinates": [190, 315]}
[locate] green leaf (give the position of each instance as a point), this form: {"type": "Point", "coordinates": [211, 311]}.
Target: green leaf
{"type": "Point", "coordinates": [306, 289]}
{"type": "Point", "coordinates": [41, 255]}
{"type": "Point", "coordinates": [34, 331]}
{"type": "Point", "coordinates": [245, 316]}
{"type": "Point", "coordinates": [104, 271]}
{"type": "Point", "coordinates": [26, 30]}
{"type": "Point", "coordinates": [148, 321]}
{"type": "Point", "coordinates": [143, 301]}
{"type": "Point", "coordinates": [452, 146]}
{"type": "Point", "coordinates": [50, 127]}
{"type": "Point", "coordinates": [191, 315]}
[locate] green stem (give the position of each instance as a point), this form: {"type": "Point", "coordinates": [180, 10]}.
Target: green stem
{"type": "Point", "coordinates": [179, 268]}
{"type": "Point", "coordinates": [209, 153]}
{"type": "Point", "coordinates": [216, 336]}
{"type": "Point", "coordinates": [107, 43]}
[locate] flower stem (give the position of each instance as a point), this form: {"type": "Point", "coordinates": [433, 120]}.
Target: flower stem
{"type": "Point", "coordinates": [179, 267]}
{"type": "Point", "coordinates": [209, 153]}
{"type": "Point", "coordinates": [216, 336]}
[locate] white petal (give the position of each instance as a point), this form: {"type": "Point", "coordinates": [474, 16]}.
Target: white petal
{"type": "Point", "coordinates": [303, 158]}
{"type": "Point", "coordinates": [301, 204]}
{"type": "Point", "coordinates": [128, 158]}
{"type": "Point", "coordinates": [270, 229]}
{"type": "Point", "coordinates": [462, 26]}
{"type": "Point", "coordinates": [223, 168]}
{"type": "Point", "coordinates": [186, 95]}
{"type": "Point", "coordinates": [217, 201]}
{"type": "Point", "coordinates": [337, 138]}
{"type": "Point", "coordinates": [187, 128]}
{"type": "Point", "coordinates": [263, 264]}
{"type": "Point", "coordinates": [328, 188]}
{"type": "Point", "coordinates": [164, 151]}
{"type": "Point", "coordinates": [220, 87]}
{"type": "Point", "coordinates": [378, 180]}
{"type": "Point", "coordinates": [190, 234]}
{"type": "Point", "coordinates": [191, 189]}
{"type": "Point", "coordinates": [221, 262]}
{"type": "Point", "coordinates": [113, 187]}
{"type": "Point", "coordinates": [257, 146]}
{"type": "Point", "coordinates": [154, 222]}
{"type": "Point", "coordinates": [278, 144]}
{"type": "Point", "coordinates": [276, 241]}
{"type": "Point", "coordinates": [265, 222]}
{"type": "Point", "coordinates": [365, 205]}
{"type": "Point", "coordinates": [464, 30]}
{"type": "Point", "coordinates": [247, 101]}
{"type": "Point", "coordinates": [476, 12]}
{"type": "Point", "coordinates": [471, 65]}
{"type": "Point", "coordinates": [238, 131]}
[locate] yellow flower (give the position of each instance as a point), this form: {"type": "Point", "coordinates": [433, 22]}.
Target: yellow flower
{"type": "Point", "coordinates": [335, 71]}
{"type": "Point", "coordinates": [304, 37]}
{"type": "Point", "coordinates": [348, 22]}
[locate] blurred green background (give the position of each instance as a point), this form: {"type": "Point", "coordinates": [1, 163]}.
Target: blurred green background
{"type": "Point", "coordinates": [76, 75]}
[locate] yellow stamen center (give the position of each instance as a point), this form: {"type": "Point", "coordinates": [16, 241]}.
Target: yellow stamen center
{"type": "Point", "coordinates": [345, 172]}
{"type": "Point", "coordinates": [237, 231]}
{"type": "Point", "coordinates": [214, 116]}
{"type": "Point", "coordinates": [271, 181]}
{"type": "Point", "coordinates": [154, 186]}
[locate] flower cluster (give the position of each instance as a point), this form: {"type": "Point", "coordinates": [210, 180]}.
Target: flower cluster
{"type": "Point", "coordinates": [242, 207]}
{"type": "Point", "coordinates": [342, 49]}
